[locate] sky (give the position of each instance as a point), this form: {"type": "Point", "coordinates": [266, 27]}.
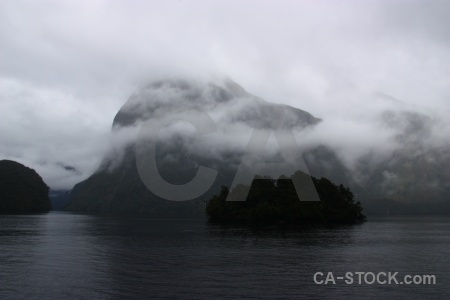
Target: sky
{"type": "Point", "coordinates": [66, 67]}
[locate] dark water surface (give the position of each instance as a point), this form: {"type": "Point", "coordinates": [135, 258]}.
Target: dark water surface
{"type": "Point", "coordinates": [70, 256]}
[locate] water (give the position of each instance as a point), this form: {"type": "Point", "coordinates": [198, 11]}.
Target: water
{"type": "Point", "coordinates": [70, 256]}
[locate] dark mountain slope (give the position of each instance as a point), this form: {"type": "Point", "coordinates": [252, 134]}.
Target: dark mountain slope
{"type": "Point", "coordinates": [22, 190]}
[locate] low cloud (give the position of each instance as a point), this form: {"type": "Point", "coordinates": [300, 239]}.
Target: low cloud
{"type": "Point", "coordinates": [68, 66]}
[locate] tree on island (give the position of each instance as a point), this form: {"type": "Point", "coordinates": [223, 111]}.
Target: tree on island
{"type": "Point", "coordinates": [272, 201]}
{"type": "Point", "coordinates": [22, 190]}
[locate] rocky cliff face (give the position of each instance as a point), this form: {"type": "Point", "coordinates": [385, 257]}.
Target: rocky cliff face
{"type": "Point", "coordinates": [22, 190]}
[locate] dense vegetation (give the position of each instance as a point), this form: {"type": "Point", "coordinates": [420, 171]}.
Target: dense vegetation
{"type": "Point", "coordinates": [22, 190]}
{"type": "Point", "coordinates": [275, 201]}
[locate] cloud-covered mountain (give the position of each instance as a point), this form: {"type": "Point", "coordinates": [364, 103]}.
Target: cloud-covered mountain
{"type": "Point", "coordinates": [64, 77]}
{"type": "Point", "coordinates": [117, 186]}
{"type": "Point", "coordinates": [406, 172]}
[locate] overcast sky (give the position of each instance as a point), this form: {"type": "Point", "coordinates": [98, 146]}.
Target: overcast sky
{"type": "Point", "coordinates": [66, 67]}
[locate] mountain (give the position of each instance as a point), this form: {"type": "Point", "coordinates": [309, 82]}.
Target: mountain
{"type": "Point", "coordinates": [22, 190]}
{"type": "Point", "coordinates": [413, 177]}
{"type": "Point", "coordinates": [117, 188]}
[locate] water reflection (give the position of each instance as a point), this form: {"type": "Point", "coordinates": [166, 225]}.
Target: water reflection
{"type": "Point", "coordinates": [77, 256]}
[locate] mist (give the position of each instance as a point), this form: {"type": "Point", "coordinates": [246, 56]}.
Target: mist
{"type": "Point", "coordinates": [375, 73]}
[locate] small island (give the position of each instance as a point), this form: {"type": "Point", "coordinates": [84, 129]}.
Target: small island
{"type": "Point", "coordinates": [272, 201]}
{"type": "Point", "coordinates": [22, 190]}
